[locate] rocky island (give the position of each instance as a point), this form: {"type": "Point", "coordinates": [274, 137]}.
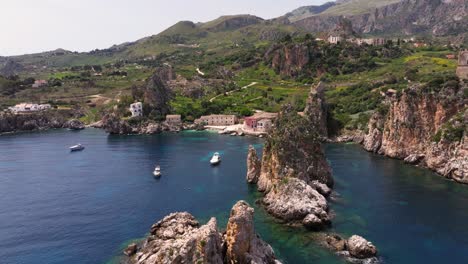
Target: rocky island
{"type": "Point", "coordinates": [296, 179]}
{"type": "Point", "coordinates": [179, 238]}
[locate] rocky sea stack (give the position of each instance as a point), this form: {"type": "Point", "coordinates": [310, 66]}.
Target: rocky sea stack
{"type": "Point", "coordinates": [179, 238]}
{"type": "Point", "coordinates": [295, 176]}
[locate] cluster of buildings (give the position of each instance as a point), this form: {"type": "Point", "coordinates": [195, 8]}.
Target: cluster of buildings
{"type": "Point", "coordinates": [259, 122]}
{"type": "Point", "coordinates": [26, 107]}
{"type": "Point", "coordinates": [39, 83]}
{"type": "Point", "coordinates": [359, 41]}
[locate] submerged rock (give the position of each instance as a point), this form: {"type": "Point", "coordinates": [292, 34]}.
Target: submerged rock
{"type": "Point", "coordinates": [253, 165]}
{"type": "Point", "coordinates": [179, 238]}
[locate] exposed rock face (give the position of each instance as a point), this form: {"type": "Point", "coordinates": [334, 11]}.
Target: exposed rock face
{"type": "Point", "coordinates": [243, 244]}
{"type": "Point", "coordinates": [112, 124]}
{"type": "Point", "coordinates": [34, 121]}
{"type": "Point", "coordinates": [373, 140]}
{"type": "Point", "coordinates": [360, 248]}
{"type": "Point", "coordinates": [74, 124]}
{"type": "Point", "coordinates": [293, 166]}
{"type": "Point", "coordinates": [253, 166]}
{"type": "Point", "coordinates": [179, 238]}
{"type": "Point", "coordinates": [439, 18]}
{"type": "Point", "coordinates": [424, 128]}
{"type": "Point", "coordinates": [354, 250]}
{"type": "Point", "coordinates": [316, 109]}
{"type": "Point", "coordinates": [289, 60]}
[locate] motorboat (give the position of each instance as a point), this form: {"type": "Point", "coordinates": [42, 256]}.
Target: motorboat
{"type": "Point", "coordinates": [157, 171]}
{"type": "Point", "coordinates": [216, 159]}
{"type": "Point", "coordinates": [78, 147]}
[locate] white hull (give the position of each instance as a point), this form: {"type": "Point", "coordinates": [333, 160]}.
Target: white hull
{"type": "Point", "coordinates": [76, 148]}
{"type": "Point", "coordinates": [157, 174]}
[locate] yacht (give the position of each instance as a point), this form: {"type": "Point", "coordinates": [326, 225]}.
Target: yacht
{"type": "Point", "coordinates": [157, 171]}
{"type": "Point", "coordinates": [216, 159]}
{"type": "Point", "coordinates": [76, 147]}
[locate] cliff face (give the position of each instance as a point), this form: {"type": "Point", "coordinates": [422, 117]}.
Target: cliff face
{"type": "Point", "coordinates": [436, 17]}
{"type": "Point", "coordinates": [425, 128]}
{"type": "Point", "coordinates": [179, 238]}
{"type": "Point", "coordinates": [33, 121]}
{"type": "Point", "coordinates": [289, 60]}
{"type": "Point", "coordinates": [294, 172]}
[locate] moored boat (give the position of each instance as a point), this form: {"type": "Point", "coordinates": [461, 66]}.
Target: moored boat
{"type": "Point", "coordinates": [157, 171]}
{"type": "Point", "coordinates": [77, 147]}
{"type": "Point", "coordinates": [216, 159]}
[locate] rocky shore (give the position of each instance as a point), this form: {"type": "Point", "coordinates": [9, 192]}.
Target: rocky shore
{"type": "Point", "coordinates": [10, 122]}
{"type": "Point", "coordinates": [180, 238]}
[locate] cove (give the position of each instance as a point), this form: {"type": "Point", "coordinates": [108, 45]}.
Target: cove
{"type": "Point", "coordinates": [61, 207]}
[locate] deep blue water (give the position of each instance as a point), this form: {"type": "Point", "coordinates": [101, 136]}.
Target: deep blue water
{"type": "Point", "coordinates": [61, 207]}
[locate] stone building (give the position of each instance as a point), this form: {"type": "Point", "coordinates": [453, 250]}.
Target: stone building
{"type": "Point", "coordinates": [260, 122]}
{"type": "Point", "coordinates": [217, 120]}
{"type": "Point", "coordinates": [462, 69]}
{"type": "Point", "coordinates": [174, 120]}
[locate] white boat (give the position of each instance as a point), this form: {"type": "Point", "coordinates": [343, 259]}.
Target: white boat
{"type": "Point", "coordinates": [157, 171]}
{"type": "Point", "coordinates": [216, 159]}
{"type": "Point", "coordinates": [76, 147]}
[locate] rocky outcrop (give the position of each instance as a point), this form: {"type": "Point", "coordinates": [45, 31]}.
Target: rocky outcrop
{"type": "Point", "coordinates": [253, 166]}
{"type": "Point", "coordinates": [356, 249]}
{"type": "Point", "coordinates": [289, 59]}
{"type": "Point", "coordinates": [316, 109]}
{"type": "Point", "coordinates": [179, 238]}
{"type": "Point", "coordinates": [74, 124]}
{"type": "Point", "coordinates": [360, 248]}
{"type": "Point", "coordinates": [243, 245]}
{"type": "Point", "coordinates": [112, 124]}
{"type": "Point", "coordinates": [33, 121]}
{"type": "Point", "coordinates": [439, 18]}
{"type": "Point", "coordinates": [425, 128]}
{"type": "Point", "coordinates": [293, 169]}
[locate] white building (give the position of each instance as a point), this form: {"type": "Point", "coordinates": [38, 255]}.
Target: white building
{"type": "Point", "coordinates": [334, 39]}
{"type": "Point", "coordinates": [136, 109]}
{"type": "Point", "coordinates": [24, 107]}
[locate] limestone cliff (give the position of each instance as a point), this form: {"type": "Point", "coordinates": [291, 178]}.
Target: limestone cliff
{"type": "Point", "coordinates": [426, 128]}
{"type": "Point", "coordinates": [179, 238]}
{"type": "Point", "coordinates": [294, 173]}
{"type": "Point", "coordinates": [409, 17]}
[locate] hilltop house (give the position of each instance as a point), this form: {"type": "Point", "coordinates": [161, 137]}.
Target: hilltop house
{"type": "Point", "coordinates": [136, 109]}
{"type": "Point", "coordinates": [174, 120]}
{"type": "Point", "coordinates": [462, 69]}
{"type": "Point", "coordinates": [217, 120]}
{"type": "Point", "coordinates": [260, 122]}
{"type": "Point", "coordinates": [39, 83]}
{"type": "Point", "coordinates": [25, 107]}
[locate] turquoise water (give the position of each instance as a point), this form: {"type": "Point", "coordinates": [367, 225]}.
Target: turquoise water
{"type": "Point", "coordinates": [61, 207]}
